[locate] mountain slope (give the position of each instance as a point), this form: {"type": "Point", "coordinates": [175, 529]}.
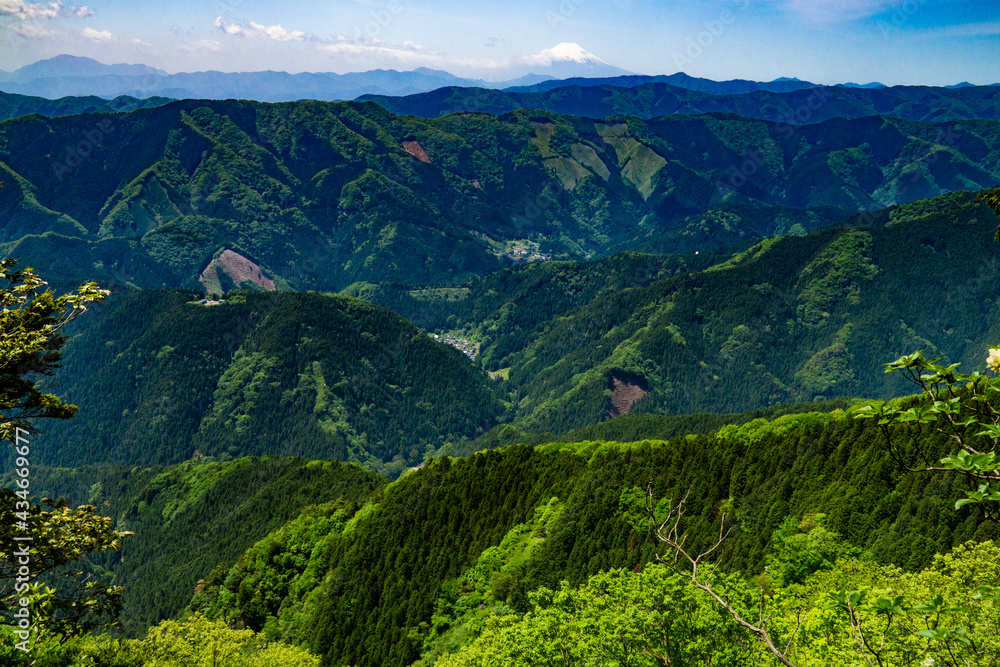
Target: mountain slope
{"type": "Point", "coordinates": [437, 553]}
{"type": "Point", "coordinates": [792, 319]}
{"type": "Point", "coordinates": [322, 195]}
{"type": "Point", "coordinates": [795, 318]}
{"type": "Point", "coordinates": [161, 378]}
{"type": "Point", "coordinates": [190, 517]}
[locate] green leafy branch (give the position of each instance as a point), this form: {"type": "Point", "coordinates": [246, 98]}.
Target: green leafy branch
{"type": "Point", "coordinates": [959, 406]}
{"type": "Point", "coordinates": [30, 345]}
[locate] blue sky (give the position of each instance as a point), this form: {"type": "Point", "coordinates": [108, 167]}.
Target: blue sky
{"type": "Point", "coordinates": [932, 42]}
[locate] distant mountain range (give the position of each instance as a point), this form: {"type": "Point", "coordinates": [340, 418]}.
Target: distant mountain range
{"type": "Point", "coordinates": [680, 80]}
{"type": "Point", "coordinates": [564, 65]}
{"type": "Point", "coordinates": [67, 75]}
{"type": "Point", "coordinates": [70, 75]}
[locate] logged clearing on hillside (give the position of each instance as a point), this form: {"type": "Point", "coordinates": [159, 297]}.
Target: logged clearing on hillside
{"type": "Point", "coordinates": [237, 269]}
{"type": "Point", "coordinates": [625, 392]}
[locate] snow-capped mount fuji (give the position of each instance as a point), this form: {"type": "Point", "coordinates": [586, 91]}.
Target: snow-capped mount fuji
{"type": "Point", "coordinates": [562, 61]}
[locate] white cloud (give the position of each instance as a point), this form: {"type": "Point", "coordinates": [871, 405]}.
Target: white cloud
{"type": "Point", "coordinates": [37, 11]}
{"type": "Point", "coordinates": [255, 30]}
{"type": "Point", "coordinates": [839, 11]}
{"type": "Point", "coordinates": [97, 35]}
{"type": "Point", "coordinates": [29, 30]}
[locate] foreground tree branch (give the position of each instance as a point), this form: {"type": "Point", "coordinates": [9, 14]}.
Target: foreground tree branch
{"type": "Point", "coordinates": [668, 531]}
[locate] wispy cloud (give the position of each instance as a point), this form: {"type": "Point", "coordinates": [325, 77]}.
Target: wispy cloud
{"type": "Point", "coordinates": [29, 30]}
{"type": "Point", "coordinates": [37, 11]}
{"type": "Point", "coordinates": [256, 30]}
{"type": "Point", "coordinates": [985, 29]}
{"type": "Point", "coordinates": [201, 46]}
{"type": "Point", "coordinates": [837, 11]}
{"type": "Point", "coordinates": [407, 51]}
{"type": "Point", "coordinates": [29, 17]}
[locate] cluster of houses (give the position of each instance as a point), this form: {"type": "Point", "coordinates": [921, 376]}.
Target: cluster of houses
{"type": "Point", "coordinates": [520, 254]}
{"type": "Point", "coordinates": [467, 348]}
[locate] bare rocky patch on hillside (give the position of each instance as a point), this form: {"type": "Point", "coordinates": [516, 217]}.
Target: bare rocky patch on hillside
{"type": "Point", "coordinates": [625, 391]}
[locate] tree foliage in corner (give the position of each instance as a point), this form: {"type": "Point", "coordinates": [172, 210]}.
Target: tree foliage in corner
{"type": "Point", "coordinates": [992, 199]}
{"type": "Point", "coordinates": [74, 603]}
{"type": "Point", "coordinates": [30, 347]}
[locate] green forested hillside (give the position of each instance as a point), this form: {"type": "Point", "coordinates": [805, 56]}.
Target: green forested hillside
{"type": "Point", "coordinates": [637, 427]}
{"type": "Point", "coordinates": [160, 378]}
{"type": "Point", "coordinates": [323, 195]}
{"type": "Point", "coordinates": [431, 557]}
{"type": "Point", "coordinates": [189, 517]}
{"type": "Point", "coordinates": [516, 300]}
{"type": "Point", "coordinates": [362, 572]}
{"type": "Point", "coordinates": [792, 319]}
{"type": "Point", "coordinates": [569, 344]}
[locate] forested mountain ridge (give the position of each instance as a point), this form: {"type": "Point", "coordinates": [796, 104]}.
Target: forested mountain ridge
{"type": "Point", "coordinates": [418, 571]}
{"type": "Point", "coordinates": [161, 378]}
{"type": "Point", "coordinates": [14, 106]}
{"type": "Point", "coordinates": [322, 195]}
{"type": "Point", "coordinates": [790, 319]}
{"type": "Point", "coordinates": [812, 104]}
{"type": "Point", "coordinates": [569, 344]}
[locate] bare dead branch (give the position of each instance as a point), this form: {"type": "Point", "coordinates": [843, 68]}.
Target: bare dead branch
{"type": "Point", "coordinates": [668, 531]}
